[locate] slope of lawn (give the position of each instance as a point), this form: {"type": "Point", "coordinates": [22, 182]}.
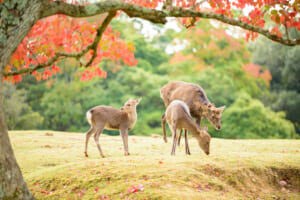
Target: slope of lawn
{"type": "Point", "coordinates": [54, 167]}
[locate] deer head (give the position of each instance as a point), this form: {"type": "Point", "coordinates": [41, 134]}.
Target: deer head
{"type": "Point", "coordinates": [131, 104]}
{"type": "Point", "coordinates": [213, 114]}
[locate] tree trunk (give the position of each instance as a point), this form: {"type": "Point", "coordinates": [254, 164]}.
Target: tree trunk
{"type": "Point", "coordinates": [12, 184]}
{"type": "Point", "coordinates": [17, 21]}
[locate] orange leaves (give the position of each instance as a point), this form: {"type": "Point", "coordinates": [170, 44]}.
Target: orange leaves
{"type": "Point", "coordinates": [254, 70]}
{"type": "Point", "coordinates": [64, 34]}
{"type": "Point", "coordinates": [92, 72]}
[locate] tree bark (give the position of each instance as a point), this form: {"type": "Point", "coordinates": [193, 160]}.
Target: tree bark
{"type": "Point", "coordinates": [12, 184]}
{"type": "Point", "coordinates": [18, 20]}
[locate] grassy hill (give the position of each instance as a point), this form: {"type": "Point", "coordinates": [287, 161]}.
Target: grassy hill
{"type": "Point", "coordinates": [54, 167]}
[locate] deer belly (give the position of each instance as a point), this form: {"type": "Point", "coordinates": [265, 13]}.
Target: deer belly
{"type": "Point", "coordinates": [109, 126]}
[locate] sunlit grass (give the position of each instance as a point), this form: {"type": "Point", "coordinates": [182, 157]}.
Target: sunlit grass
{"type": "Point", "coordinates": [54, 167]}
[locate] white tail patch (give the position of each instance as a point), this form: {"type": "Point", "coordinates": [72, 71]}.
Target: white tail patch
{"type": "Point", "coordinates": [89, 117]}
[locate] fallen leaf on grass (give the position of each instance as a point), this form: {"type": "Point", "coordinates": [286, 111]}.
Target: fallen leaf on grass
{"type": "Point", "coordinates": [283, 183]}
{"type": "Point", "coordinates": [96, 189]}
{"type": "Point", "coordinates": [208, 187]}
{"type": "Point", "coordinates": [103, 197]}
{"type": "Point", "coordinates": [135, 188]}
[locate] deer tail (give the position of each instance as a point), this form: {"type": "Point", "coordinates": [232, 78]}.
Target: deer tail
{"type": "Point", "coordinates": [89, 116]}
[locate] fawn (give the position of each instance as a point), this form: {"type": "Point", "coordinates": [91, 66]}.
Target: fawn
{"type": "Point", "coordinates": [178, 116]}
{"type": "Point", "coordinates": [106, 117]}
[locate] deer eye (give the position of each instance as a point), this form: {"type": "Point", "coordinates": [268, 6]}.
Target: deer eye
{"type": "Point", "coordinates": [128, 104]}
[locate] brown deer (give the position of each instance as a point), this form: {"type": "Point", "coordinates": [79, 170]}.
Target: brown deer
{"type": "Point", "coordinates": [106, 117]}
{"type": "Point", "coordinates": [178, 117]}
{"type": "Point", "coordinates": [195, 98]}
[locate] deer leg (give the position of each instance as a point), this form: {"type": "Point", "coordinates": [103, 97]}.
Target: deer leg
{"type": "Point", "coordinates": [198, 121]}
{"type": "Point", "coordinates": [96, 138]}
{"type": "Point", "coordinates": [124, 135]}
{"type": "Point", "coordinates": [88, 135]}
{"type": "Point", "coordinates": [187, 148]}
{"type": "Point", "coordinates": [179, 137]}
{"type": "Point", "coordinates": [174, 141]}
{"type": "Point", "coordinates": [163, 124]}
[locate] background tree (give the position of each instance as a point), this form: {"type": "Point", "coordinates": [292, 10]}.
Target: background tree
{"type": "Point", "coordinates": [283, 62]}
{"type": "Point", "coordinates": [19, 55]}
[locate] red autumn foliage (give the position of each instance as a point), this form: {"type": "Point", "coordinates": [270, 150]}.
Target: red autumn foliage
{"type": "Point", "coordinates": [64, 34]}
{"type": "Point", "coordinates": [256, 71]}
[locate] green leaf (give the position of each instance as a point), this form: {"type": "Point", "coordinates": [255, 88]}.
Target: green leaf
{"type": "Point", "coordinates": [274, 12]}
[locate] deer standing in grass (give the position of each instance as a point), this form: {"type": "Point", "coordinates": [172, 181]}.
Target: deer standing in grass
{"type": "Point", "coordinates": [196, 100]}
{"type": "Point", "coordinates": [106, 117]}
{"type": "Point", "coordinates": [178, 116]}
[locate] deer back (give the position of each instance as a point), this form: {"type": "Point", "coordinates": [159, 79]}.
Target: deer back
{"type": "Point", "coordinates": [111, 118]}
{"type": "Point", "coordinates": [191, 94]}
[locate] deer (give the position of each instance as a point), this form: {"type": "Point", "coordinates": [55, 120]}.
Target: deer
{"type": "Point", "coordinates": [106, 117]}
{"type": "Point", "coordinates": [178, 116]}
{"type": "Point", "coordinates": [195, 98]}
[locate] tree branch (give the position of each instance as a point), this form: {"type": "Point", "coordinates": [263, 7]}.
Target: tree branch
{"type": "Point", "coordinates": [93, 46]}
{"type": "Point", "coordinates": [155, 16]}
{"type": "Point", "coordinates": [181, 12]}
{"type": "Point", "coordinates": [60, 7]}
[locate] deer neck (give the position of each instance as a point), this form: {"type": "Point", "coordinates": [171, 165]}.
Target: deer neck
{"type": "Point", "coordinates": [192, 127]}
{"type": "Point", "coordinates": [132, 117]}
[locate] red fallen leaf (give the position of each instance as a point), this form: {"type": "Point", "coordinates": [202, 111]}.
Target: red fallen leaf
{"type": "Point", "coordinates": [135, 188]}
{"type": "Point", "coordinates": [208, 187]}
{"type": "Point", "coordinates": [104, 197]}
{"type": "Point", "coordinates": [84, 190]}
{"type": "Point", "coordinates": [283, 183]}
{"type": "Point", "coordinates": [96, 189]}
{"type": "Point", "coordinates": [283, 151]}
{"type": "Point", "coordinates": [297, 150]}
{"type": "Point", "coordinates": [80, 195]}
{"type": "Point", "coordinates": [160, 162]}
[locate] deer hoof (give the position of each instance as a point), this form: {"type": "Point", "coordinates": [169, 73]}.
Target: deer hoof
{"type": "Point", "coordinates": [165, 139]}
{"type": "Point", "coordinates": [86, 155]}
{"type": "Point", "coordinates": [126, 154]}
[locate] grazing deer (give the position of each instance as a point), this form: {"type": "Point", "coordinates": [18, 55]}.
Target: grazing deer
{"type": "Point", "coordinates": [178, 117]}
{"type": "Point", "coordinates": [106, 117]}
{"type": "Point", "coordinates": [195, 98]}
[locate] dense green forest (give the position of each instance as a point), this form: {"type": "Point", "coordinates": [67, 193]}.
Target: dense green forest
{"type": "Point", "coordinates": [258, 82]}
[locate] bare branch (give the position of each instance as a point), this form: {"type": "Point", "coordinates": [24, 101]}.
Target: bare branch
{"type": "Point", "coordinates": [93, 46]}
{"type": "Point", "coordinates": [60, 7]}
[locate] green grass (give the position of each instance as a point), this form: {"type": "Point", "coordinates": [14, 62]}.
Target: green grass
{"type": "Point", "coordinates": [54, 167]}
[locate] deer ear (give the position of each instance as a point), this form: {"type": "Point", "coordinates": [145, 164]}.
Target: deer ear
{"type": "Point", "coordinates": [221, 108]}
{"type": "Point", "coordinates": [131, 98]}
{"type": "Point", "coordinates": [138, 100]}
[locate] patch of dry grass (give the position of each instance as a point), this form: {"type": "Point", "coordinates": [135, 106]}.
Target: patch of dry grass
{"type": "Point", "coordinates": [54, 167]}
